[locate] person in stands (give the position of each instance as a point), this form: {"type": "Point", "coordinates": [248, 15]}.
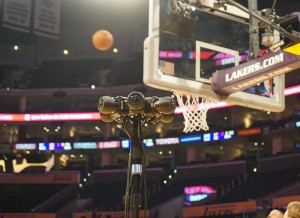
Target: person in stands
{"type": "Point", "coordinates": [293, 210]}
{"type": "Point", "coordinates": [275, 213]}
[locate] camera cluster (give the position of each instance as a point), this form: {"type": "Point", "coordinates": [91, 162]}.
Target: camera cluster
{"type": "Point", "coordinates": [135, 105]}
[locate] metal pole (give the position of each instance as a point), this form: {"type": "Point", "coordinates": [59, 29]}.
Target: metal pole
{"type": "Point", "coordinates": [253, 31]}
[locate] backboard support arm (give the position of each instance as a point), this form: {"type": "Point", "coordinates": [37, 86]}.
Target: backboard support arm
{"type": "Point", "coordinates": [253, 31]}
{"type": "Point", "coordinates": [294, 36]}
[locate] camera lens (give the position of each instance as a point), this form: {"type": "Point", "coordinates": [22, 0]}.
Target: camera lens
{"type": "Point", "coordinates": [165, 105]}
{"type": "Point", "coordinates": [107, 105]}
{"type": "Point", "coordinates": [136, 101]}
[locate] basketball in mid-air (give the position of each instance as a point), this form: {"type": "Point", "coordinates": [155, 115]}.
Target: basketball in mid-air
{"type": "Point", "coordinates": [103, 40]}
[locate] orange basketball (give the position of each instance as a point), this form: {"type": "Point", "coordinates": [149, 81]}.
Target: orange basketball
{"type": "Point", "coordinates": [102, 40]}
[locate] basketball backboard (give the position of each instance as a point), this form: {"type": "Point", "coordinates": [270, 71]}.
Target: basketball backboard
{"type": "Point", "coordinates": [183, 51]}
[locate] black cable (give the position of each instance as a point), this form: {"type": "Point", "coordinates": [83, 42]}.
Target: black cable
{"type": "Point", "coordinates": [124, 127]}
{"type": "Point", "coordinates": [128, 190]}
{"type": "Point", "coordinates": [144, 162]}
{"type": "Point", "coordinates": [147, 131]}
{"type": "Point", "coordinates": [143, 183]}
{"type": "Point", "coordinates": [127, 194]}
{"type": "Point", "coordinates": [131, 203]}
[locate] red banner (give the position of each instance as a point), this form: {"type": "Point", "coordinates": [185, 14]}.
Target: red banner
{"type": "Point", "coordinates": [249, 131]}
{"type": "Point", "coordinates": [82, 215]}
{"type": "Point", "coordinates": [27, 215]}
{"type": "Point", "coordinates": [284, 201]}
{"type": "Point", "coordinates": [49, 117]}
{"type": "Point", "coordinates": [115, 214]}
{"type": "Point", "coordinates": [47, 178]}
{"type": "Point", "coordinates": [219, 209]}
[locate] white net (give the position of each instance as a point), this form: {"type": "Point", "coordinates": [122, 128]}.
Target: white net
{"type": "Point", "coordinates": [194, 110]}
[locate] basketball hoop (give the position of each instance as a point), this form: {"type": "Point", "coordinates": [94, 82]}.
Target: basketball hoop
{"type": "Point", "coordinates": [194, 110]}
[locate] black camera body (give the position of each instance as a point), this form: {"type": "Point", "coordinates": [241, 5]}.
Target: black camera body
{"type": "Point", "coordinates": [152, 109]}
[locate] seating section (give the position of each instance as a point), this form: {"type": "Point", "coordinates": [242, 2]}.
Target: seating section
{"type": "Point", "coordinates": [69, 73]}
{"type": "Point", "coordinates": [128, 72]}
{"type": "Point", "coordinates": [105, 195]}
{"type": "Point", "coordinates": [107, 189]}
{"type": "Point", "coordinates": [25, 197]}
{"type": "Point", "coordinates": [171, 190]}
{"type": "Point", "coordinates": [83, 73]}
{"type": "Point", "coordinates": [262, 184]}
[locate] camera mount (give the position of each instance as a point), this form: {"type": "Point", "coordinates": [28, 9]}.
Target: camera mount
{"type": "Point", "coordinates": [131, 113]}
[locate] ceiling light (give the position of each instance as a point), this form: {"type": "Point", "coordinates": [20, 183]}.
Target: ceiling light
{"type": "Point", "coordinates": [66, 52]}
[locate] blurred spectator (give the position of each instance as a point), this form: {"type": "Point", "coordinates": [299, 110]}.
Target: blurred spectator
{"type": "Point", "coordinates": [293, 210]}
{"type": "Point", "coordinates": [275, 213]}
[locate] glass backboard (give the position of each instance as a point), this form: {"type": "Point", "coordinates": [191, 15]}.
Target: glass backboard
{"type": "Point", "coordinates": [186, 46]}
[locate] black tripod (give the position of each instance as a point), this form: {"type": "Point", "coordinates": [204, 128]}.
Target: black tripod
{"type": "Point", "coordinates": [131, 113]}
